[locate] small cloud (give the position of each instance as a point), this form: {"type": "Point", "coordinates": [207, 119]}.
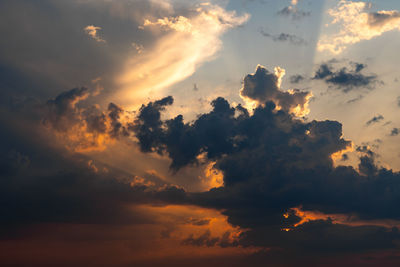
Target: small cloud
{"type": "Point", "coordinates": [92, 31]}
{"type": "Point", "coordinates": [285, 37]}
{"type": "Point", "coordinates": [296, 78]}
{"type": "Point", "coordinates": [138, 47]}
{"type": "Point", "coordinates": [346, 78]}
{"type": "Point", "coordinates": [395, 132]}
{"type": "Point", "coordinates": [375, 119]}
{"type": "Point", "coordinates": [293, 12]}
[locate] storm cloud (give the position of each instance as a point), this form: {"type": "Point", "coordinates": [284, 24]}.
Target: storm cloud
{"type": "Point", "coordinates": [273, 162]}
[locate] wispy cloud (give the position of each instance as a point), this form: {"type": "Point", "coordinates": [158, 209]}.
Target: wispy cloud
{"type": "Point", "coordinates": [357, 24]}
{"type": "Point", "coordinates": [186, 42]}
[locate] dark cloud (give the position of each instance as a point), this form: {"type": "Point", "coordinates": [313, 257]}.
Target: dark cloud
{"type": "Point", "coordinates": [296, 79]}
{"type": "Point", "coordinates": [273, 162]}
{"type": "Point", "coordinates": [345, 79]}
{"type": "Point", "coordinates": [285, 37]}
{"type": "Point", "coordinates": [395, 132]}
{"type": "Point", "coordinates": [62, 112]}
{"type": "Point", "coordinates": [293, 12]}
{"type": "Point", "coordinates": [378, 19]}
{"type": "Point", "coordinates": [264, 86]}
{"type": "Point", "coordinates": [375, 119]}
{"type": "Point", "coordinates": [206, 240]}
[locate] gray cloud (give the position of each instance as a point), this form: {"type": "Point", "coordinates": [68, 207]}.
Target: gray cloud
{"type": "Point", "coordinates": [346, 79]}
{"type": "Point", "coordinates": [285, 37]}
{"type": "Point", "coordinates": [375, 119]}
{"type": "Point", "coordinates": [293, 12]}
{"type": "Point", "coordinates": [264, 86]}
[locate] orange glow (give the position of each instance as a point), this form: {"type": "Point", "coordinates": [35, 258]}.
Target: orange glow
{"type": "Point", "coordinates": [213, 177]}
{"type": "Point", "coordinates": [338, 155]}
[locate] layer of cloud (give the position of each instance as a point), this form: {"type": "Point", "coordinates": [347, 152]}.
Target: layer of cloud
{"type": "Point", "coordinates": [356, 24]}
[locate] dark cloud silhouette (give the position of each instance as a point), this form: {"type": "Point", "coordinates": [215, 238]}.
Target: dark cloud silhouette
{"type": "Point", "coordinates": [375, 119]}
{"type": "Point", "coordinates": [284, 37]}
{"type": "Point", "coordinates": [293, 12]}
{"type": "Point", "coordinates": [296, 79]}
{"type": "Point", "coordinates": [395, 132]}
{"type": "Point", "coordinates": [273, 162]}
{"type": "Point", "coordinates": [264, 86]}
{"type": "Point", "coordinates": [345, 79]}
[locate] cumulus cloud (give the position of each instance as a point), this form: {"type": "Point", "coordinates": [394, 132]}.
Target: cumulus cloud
{"type": "Point", "coordinates": [346, 78]}
{"type": "Point", "coordinates": [263, 86]}
{"type": "Point", "coordinates": [186, 42]}
{"type": "Point", "coordinates": [83, 128]}
{"type": "Point", "coordinates": [272, 162]}
{"type": "Point", "coordinates": [92, 31]}
{"type": "Point", "coordinates": [285, 37]}
{"type": "Point", "coordinates": [356, 24]}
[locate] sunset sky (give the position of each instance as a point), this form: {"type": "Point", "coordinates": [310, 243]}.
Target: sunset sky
{"type": "Point", "coordinates": [193, 133]}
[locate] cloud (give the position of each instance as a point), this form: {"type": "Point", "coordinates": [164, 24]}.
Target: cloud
{"type": "Point", "coordinates": [293, 12]}
{"type": "Point", "coordinates": [285, 37]}
{"type": "Point", "coordinates": [395, 132]}
{"type": "Point", "coordinates": [346, 79]}
{"type": "Point", "coordinates": [296, 79]}
{"type": "Point", "coordinates": [92, 31]}
{"type": "Point", "coordinates": [357, 24]}
{"type": "Point", "coordinates": [263, 86]}
{"type": "Point", "coordinates": [185, 43]}
{"type": "Point", "coordinates": [83, 128]}
{"type": "Point", "coordinates": [375, 119]}
{"type": "Point", "coordinates": [273, 162]}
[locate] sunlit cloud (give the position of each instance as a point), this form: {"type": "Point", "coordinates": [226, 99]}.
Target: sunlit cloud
{"type": "Point", "coordinates": [263, 86]}
{"type": "Point", "coordinates": [187, 43]}
{"type": "Point", "coordinates": [356, 24]}
{"type": "Point", "coordinates": [92, 31]}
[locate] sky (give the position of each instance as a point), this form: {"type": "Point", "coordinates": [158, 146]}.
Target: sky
{"type": "Point", "coordinates": [194, 133]}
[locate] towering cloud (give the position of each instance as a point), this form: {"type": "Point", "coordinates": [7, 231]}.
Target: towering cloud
{"type": "Point", "coordinates": [265, 86]}
{"type": "Point", "coordinates": [274, 165]}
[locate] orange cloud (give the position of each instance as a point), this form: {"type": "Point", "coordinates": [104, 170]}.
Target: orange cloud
{"type": "Point", "coordinates": [187, 43]}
